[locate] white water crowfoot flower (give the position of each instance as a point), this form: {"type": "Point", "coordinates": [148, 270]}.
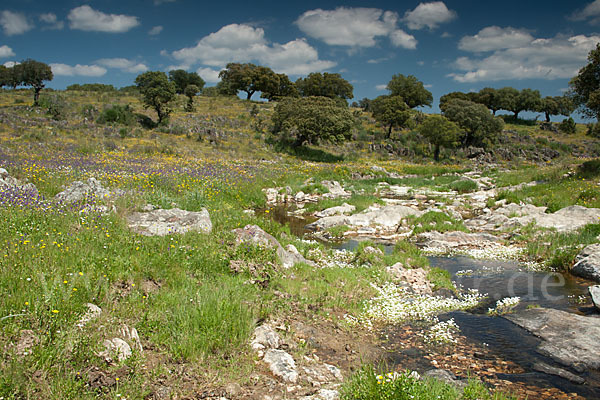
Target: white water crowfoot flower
{"type": "Point", "coordinates": [504, 306]}
{"type": "Point", "coordinates": [395, 305]}
{"type": "Point", "coordinates": [441, 333]}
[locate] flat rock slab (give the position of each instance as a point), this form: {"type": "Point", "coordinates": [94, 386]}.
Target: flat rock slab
{"type": "Point", "coordinates": [587, 263]}
{"type": "Point", "coordinates": [79, 190]}
{"type": "Point", "coordinates": [456, 239]}
{"type": "Point", "coordinates": [165, 222]}
{"type": "Point", "coordinates": [339, 210]}
{"type": "Point", "coordinates": [387, 217]}
{"type": "Point", "coordinates": [569, 339]}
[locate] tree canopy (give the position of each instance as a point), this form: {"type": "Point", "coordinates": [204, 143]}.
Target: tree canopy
{"type": "Point", "coordinates": [456, 95]}
{"type": "Point", "coordinates": [311, 120]}
{"type": "Point", "coordinates": [325, 85]}
{"type": "Point", "coordinates": [183, 79]}
{"type": "Point", "coordinates": [585, 87]}
{"type": "Point", "coordinates": [190, 91]}
{"type": "Point", "coordinates": [481, 127]}
{"type": "Point", "coordinates": [440, 132]}
{"type": "Point", "coordinates": [490, 98]}
{"type": "Point", "coordinates": [556, 105]}
{"type": "Point", "coordinates": [279, 87]}
{"type": "Point", "coordinates": [248, 78]}
{"type": "Point", "coordinates": [390, 111]}
{"type": "Point", "coordinates": [157, 92]}
{"type": "Point", "coordinates": [411, 90]}
{"type": "Point", "coordinates": [34, 73]}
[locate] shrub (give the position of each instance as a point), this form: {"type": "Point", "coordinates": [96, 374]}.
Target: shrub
{"type": "Point", "coordinates": [55, 105]}
{"type": "Point", "coordinates": [593, 130]}
{"type": "Point", "coordinates": [589, 169]}
{"type": "Point", "coordinates": [567, 126]}
{"type": "Point", "coordinates": [117, 114]}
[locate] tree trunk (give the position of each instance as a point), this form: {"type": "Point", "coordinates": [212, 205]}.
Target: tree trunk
{"type": "Point", "coordinates": [389, 135]}
{"type": "Point", "coordinates": [494, 112]}
{"type": "Point", "coordinates": [547, 116]}
{"type": "Point", "coordinates": [250, 93]}
{"type": "Point", "coordinates": [436, 153]}
{"type": "Point", "coordinates": [36, 96]}
{"type": "Point", "coordinates": [516, 115]}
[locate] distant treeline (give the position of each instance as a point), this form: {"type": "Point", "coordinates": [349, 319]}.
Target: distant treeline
{"type": "Point", "coordinates": [101, 87]}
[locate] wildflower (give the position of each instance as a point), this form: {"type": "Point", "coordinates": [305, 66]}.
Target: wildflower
{"type": "Point", "coordinates": [55, 311]}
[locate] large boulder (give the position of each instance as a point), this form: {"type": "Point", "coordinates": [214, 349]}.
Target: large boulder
{"type": "Point", "coordinates": [595, 294]}
{"type": "Point", "coordinates": [163, 222]}
{"type": "Point", "coordinates": [587, 263]}
{"type": "Point", "coordinates": [387, 218]}
{"type": "Point", "coordinates": [335, 190]}
{"type": "Point", "coordinates": [255, 235]}
{"type": "Point", "coordinates": [339, 210]}
{"type": "Point", "coordinates": [79, 190]}
{"type": "Point", "coordinates": [569, 339]}
{"type": "Point", "coordinates": [281, 365]}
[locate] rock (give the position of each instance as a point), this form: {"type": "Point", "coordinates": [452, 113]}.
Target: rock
{"type": "Point", "coordinates": [281, 365]}
{"type": "Point", "coordinates": [8, 182]}
{"type": "Point", "coordinates": [335, 190]}
{"type": "Point", "coordinates": [265, 338]}
{"type": "Point", "coordinates": [387, 218]}
{"type": "Point", "coordinates": [456, 239]}
{"type": "Point", "coordinates": [415, 277]}
{"type": "Point", "coordinates": [547, 369]}
{"type": "Point", "coordinates": [569, 339]}
{"type": "Point", "coordinates": [587, 263]}
{"type": "Point", "coordinates": [324, 394]}
{"type": "Point", "coordinates": [78, 191]}
{"type": "Point", "coordinates": [320, 374]}
{"type": "Point", "coordinates": [149, 207]}
{"type": "Point", "coordinates": [131, 334]}
{"type": "Point", "coordinates": [116, 347]}
{"type": "Point", "coordinates": [447, 377]}
{"type": "Point", "coordinates": [299, 197]}
{"type": "Point", "coordinates": [325, 223]}
{"type": "Point", "coordinates": [233, 389]}
{"type": "Point", "coordinates": [93, 312]}
{"type": "Point", "coordinates": [564, 220]}
{"type": "Point", "coordinates": [339, 210]}
{"type": "Point", "coordinates": [163, 222]}
{"type": "Point", "coordinates": [595, 294]}
{"type": "Point", "coordinates": [255, 235]}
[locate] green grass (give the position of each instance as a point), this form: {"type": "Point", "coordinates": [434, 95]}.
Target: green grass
{"type": "Point", "coordinates": [558, 250]}
{"type": "Point", "coordinates": [436, 221]}
{"type": "Point", "coordinates": [440, 278]}
{"type": "Point", "coordinates": [369, 384]}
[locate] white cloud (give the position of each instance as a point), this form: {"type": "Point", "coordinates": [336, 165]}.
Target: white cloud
{"type": "Point", "coordinates": [77, 70]}
{"type": "Point", "coordinates": [558, 57]}
{"type": "Point", "coordinates": [591, 12]}
{"type": "Point", "coordinates": [123, 64]}
{"type": "Point", "coordinates": [209, 75]}
{"type": "Point", "coordinates": [381, 87]}
{"type": "Point", "coordinates": [155, 30]}
{"type": "Point", "coordinates": [85, 18]}
{"type": "Point", "coordinates": [429, 15]}
{"type": "Point", "coordinates": [6, 51]}
{"type": "Point", "coordinates": [496, 38]}
{"type": "Point", "coordinates": [52, 21]}
{"type": "Point", "coordinates": [10, 64]}
{"type": "Point", "coordinates": [348, 26]}
{"type": "Point", "coordinates": [399, 38]}
{"type": "Point", "coordinates": [14, 23]}
{"type": "Point", "coordinates": [243, 43]}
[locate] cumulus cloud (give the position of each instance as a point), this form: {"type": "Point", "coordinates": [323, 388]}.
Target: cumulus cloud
{"type": "Point", "coordinates": [244, 43]}
{"type": "Point", "coordinates": [554, 58]}
{"type": "Point", "coordinates": [399, 38]}
{"type": "Point", "coordinates": [123, 64]}
{"type": "Point", "coordinates": [348, 26]}
{"type": "Point", "coordinates": [6, 51]}
{"type": "Point", "coordinates": [429, 15]}
{"type": "Point", "coordinates": [209, 75]}
{"type": "Point", "coordinates": [10, 64]}
{"type": "Point", "coordinates": [85, 18]}
{"type": "Point", "coordinates": [77, 70]}
{"type": "Point", "coordinates": [495, 38]}
{"type": "Point", "coordinates": [14, 23]}
{"type": "Point", "coordinates": [591, 13]}
{"type": "Point", "coordinates": [52, 21]}
{"type": "Point", "coordinates": [381, 87]}
{"type": "Point", "coordinates": [155, 30]}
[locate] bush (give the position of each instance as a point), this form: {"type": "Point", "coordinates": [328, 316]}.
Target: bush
{"type": "Point", "coordinates": [117, 114]}
{"type": "Point", "coordinates": [55, 105]}
{"type": "Point", "coordinates": [593, 130]}
{"type": "Point", "coordinates": [567, 126]}
{"type": "Point", "coordinates": [589, 169]}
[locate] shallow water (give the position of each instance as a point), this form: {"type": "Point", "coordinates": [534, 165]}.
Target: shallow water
{"type": "Point", "coordinates": [505, 279]}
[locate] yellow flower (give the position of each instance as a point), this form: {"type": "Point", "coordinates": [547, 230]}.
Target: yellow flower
{"type": "Point", "coordinates": [55, 311]}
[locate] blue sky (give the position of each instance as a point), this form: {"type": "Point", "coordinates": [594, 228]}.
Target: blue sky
{"type": "Point", "coordinates": [451, 45]}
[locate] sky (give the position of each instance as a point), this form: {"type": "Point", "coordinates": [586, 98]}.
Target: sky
{"type": "Point", "coordinates": [461, 45]}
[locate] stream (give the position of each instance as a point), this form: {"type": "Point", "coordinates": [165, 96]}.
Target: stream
{"type": "Point", "coordinates": [499, 279]}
